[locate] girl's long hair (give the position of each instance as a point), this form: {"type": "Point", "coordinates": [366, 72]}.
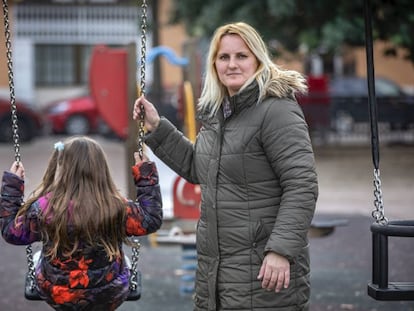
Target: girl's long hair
{"type": "Point", "coordinates": [272, 80]}
{"type": "Point", "coordinates": [84, 205]}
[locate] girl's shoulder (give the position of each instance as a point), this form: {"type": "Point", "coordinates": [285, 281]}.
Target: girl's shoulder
{"type": "Point", "coordinates": [42, 202]}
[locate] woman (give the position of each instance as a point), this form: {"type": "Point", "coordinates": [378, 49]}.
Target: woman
{"type": "Point", "coordinates": [254, 161]}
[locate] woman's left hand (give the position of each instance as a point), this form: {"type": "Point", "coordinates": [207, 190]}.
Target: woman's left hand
{"type": "Point", "coordinates": [274, 272]}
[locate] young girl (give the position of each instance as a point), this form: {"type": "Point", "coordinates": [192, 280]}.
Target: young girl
{"type": "Point", "coordinates": [82, 220]}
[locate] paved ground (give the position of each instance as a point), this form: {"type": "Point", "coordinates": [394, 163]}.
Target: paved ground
{"type": "Point", "coordinates": [341, 262]}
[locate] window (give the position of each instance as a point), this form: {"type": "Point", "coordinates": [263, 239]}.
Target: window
{"type": "Point", "coordinates": [58, 65]}
{"type": "Point", "coordinates": [386, 88]}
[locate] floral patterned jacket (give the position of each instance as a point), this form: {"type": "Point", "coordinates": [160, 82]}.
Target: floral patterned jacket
{"type": "Point", "coordinates": [87, 278]}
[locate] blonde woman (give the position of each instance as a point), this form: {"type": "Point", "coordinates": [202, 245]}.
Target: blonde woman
{"type": "Point", "coordinates": [254, 161]}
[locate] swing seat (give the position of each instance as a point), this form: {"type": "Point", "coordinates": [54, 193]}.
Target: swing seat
{"type": "Point", "coordinates": [31, 293]}
{"type": "Point", "coordinates": [380, 288]}
{"type": "Point", "coordinates": [135, 294]}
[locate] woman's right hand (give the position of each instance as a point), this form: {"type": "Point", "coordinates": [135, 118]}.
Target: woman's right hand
{"type": "Point", "coordinates": [152, 118]}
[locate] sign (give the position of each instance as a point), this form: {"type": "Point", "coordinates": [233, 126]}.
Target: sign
{"type": "Point", "coordinates": [187, 199]}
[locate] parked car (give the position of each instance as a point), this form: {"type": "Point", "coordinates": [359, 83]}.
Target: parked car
{"type": "Point", "coordinates": [29, 121]}
{"type": "Point", "coordinates": [349, 103]}
{"type": "Point", "coordinates": [341, 102]}
{"type": "Point", "coordinates": [74, 116]}
{"type": "Point", "coordinates": [80, 116]}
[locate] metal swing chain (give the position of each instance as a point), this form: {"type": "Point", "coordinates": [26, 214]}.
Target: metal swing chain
{"type": "Point", "coordinates": [378, 213]}
{"type": "Point", "coordinates": [15, 127]}
{"type": "Point", "coordinates": [136, 244]}
{"type": "Point", "coordinates": [31, 268]}
{"type": "Point", "coordinates": [133, 283]}
{"type": "Point", "coordinates": [141, 124]}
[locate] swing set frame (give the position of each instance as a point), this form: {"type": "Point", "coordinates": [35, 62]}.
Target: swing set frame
{"type": "Point", "coordinates": [30, 291]}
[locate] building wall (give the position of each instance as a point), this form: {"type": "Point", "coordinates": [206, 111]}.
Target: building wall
{"type": "Point", "coordinates": [394, 68]}
{"type": "Point", "coordinates": [174, 37]}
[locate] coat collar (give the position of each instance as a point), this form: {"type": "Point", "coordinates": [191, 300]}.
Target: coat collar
{"type": "Point", "coordinates": [245, 98]}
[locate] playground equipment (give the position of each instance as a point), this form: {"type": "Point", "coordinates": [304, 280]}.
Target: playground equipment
{"type": "Point", "coordinates": [380, 288]}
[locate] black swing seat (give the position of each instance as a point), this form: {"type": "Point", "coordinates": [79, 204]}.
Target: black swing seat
{"type": "Point", "coordinates": [135, 294]}
{"type": "Point", "coordinates": [380, 288]}
{"type": "Point", "coordinates": [31, 293]}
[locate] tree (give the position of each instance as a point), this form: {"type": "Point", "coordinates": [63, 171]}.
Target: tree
{"type": "Point", "coordinates": [318, 25]}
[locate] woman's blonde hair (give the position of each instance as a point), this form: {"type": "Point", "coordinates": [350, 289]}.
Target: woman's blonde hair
{"type": "Point", "coordinates": [84, 205]}
{"type": "Point", "coordinates": [272, 80]}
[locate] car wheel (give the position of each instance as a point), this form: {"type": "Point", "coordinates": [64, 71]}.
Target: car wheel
{"type": "Point", "coordinates": [343, 122]}
{"type": "Point", "coordinates": [77, 125]}
{"type": "Point", "coordinates": [103, 128]}
{"type": "Point", "coordinates": [106, 131]}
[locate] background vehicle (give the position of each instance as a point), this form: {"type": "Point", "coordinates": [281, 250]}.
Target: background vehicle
{"type": "Point", "coordinates": [30, 122]}
{"type": "Point", "coordinates": [338, 103]}
{"type": "Point", "coordinates": [75, 116]}
{"type": "Point", "coordinates": [349, 103]}
{"type": "Point", "coordinates": [80, 116]}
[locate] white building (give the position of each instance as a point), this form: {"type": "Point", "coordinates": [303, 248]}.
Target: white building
{"type": "Point", "coordinates": [53, 40]}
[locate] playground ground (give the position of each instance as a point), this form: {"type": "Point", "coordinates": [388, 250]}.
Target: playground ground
{"type": "Point", "coordinates": [340, 262]}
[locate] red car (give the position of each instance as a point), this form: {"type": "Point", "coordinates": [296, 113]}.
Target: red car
{"type": "Point", "coordinates": [29, 121]}
{"type": "Point", "coordinates": [80, 116]}
{"type": "Point", "coordinates": [75, 116]}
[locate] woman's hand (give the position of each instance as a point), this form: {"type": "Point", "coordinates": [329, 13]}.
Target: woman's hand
{"type": "Point", "coordinates": [152, 118]}
{"type": "Point", "coordinates": [274, 272]}
{"type": "Point", "coordinates": [18, 169]}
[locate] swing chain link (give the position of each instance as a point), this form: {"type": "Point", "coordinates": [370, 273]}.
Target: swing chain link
{"type": "Point", "coordinates": [15, 128]}
{"type": "Point", "coordinates": [134, 264]}
{"type": "Point", "coordinates": [31, 268]}
{"type": "Point", "coordinates": [141, 125]}
{"type": "Point", "coordinates": [378, 213]}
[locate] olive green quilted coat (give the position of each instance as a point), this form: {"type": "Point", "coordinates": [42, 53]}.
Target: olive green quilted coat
{"type": "Point", "coordinates": [259, 189]}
